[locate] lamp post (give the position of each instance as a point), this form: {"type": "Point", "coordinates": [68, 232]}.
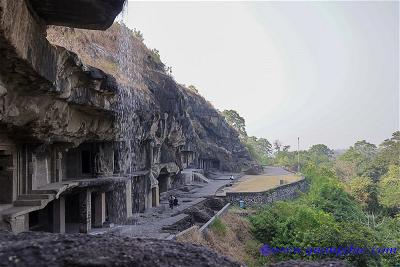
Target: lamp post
{"type": "Point", "coordinates": [298, 154]}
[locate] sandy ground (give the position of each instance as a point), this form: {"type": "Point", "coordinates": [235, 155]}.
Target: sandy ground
{"type": "Point", "coordinates": [258, 183]}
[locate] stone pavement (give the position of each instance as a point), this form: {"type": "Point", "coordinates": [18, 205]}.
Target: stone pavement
{"type": "Point", "coordinates": [150, 223]}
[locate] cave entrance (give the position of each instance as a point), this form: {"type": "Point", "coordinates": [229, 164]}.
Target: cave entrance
{"type": "Point", "coordinates": [86, 162]}
{"type": "Point", "coordinates": [6, 177]}
{"type": "Point", "coordinates": [42, 220]}
{"type": "Point", "coordinates": [215, 164]}
{"type": "Point", "coordinates": [163, 181]}
{"type": "Point", "coordinates": [72, 213]}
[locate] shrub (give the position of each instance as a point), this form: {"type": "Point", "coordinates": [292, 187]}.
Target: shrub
{"type": "Point", "coordinates": [218, 227]}
{"type": "Point", "coordinates": [326, 216]}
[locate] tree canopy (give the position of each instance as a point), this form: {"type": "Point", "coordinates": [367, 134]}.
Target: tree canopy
{"type": "Point", "coordinates": [236, 121]}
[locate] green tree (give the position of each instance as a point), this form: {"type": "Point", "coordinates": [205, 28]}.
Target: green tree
{"type": "Point", "coordinates": [259, 148]}
{"type": "Point", "coordinates": [366, 149]}
{"type": "Point", "coordinates": [277, 145]}
{"type": "Point", "coordinates": [321, 149]}
{"type": "Point", "coordinates": [362, 154]}
{"type": "Point", "coordinates": [388, 154]}
{"type": "Point", "coordinates": [264, 147]}
{"type": "Point", "coordinates": [238, 123]}
{"type": "Point", "coordinates": [364, 190]}
{"type": "Point", "coordinates": [389, 188]}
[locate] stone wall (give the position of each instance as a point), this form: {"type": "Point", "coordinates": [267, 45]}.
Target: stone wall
{"type": "Point", "coordinates": [283, 192]}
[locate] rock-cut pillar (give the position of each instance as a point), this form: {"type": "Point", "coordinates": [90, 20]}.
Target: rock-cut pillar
{"type": "Point", "coordinates": [59, 215]}
{"type": "Point", "coordinates": [85, 207]}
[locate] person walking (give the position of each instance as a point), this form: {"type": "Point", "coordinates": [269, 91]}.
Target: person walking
{"type": "Point", "coordinates": [171, 202]}
{"type": "Point", "coordinates": [175, 201]}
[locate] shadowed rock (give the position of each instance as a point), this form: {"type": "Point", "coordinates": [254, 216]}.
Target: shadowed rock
{"type": "Point", "coordinates": [43, 249]}
{"type": "Point", "coordinates": [92, 14]}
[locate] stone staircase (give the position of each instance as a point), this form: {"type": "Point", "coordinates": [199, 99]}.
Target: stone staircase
{"type": "Point", "coordinates": [34, 200]}
{"type": "Point", "coordinates": [200, 178]}
{"type": "Point", "coordinates": [37, 199]}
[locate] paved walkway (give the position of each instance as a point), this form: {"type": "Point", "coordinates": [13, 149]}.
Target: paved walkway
{"type": "Point", "coordinates": [151, 222]}
{"type": "Point", "coordinates": [270, 171]}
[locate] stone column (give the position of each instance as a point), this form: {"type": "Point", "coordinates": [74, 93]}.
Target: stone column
{"type": "Point", "coordinates": [150, 155]}
{"type": "Point", "coordinates": [59, 215]}
{"type": "Point", "coordinates": [59, 166]}
{"type": "Point", "coordinates": [168, 181]}
{"type": "Point", "coordinates": [119, 202]}
{"type": "Point", "coordinates": [85, 207]}
{"type": "Point", "coordinates": [34, 172]}
{"type": "Point", "coordinates": [128, 197]}
{"type": "Point", "coordinates": [157, 196]}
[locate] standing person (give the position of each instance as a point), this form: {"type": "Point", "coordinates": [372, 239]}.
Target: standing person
{"type": "Point", "coordinates": [231, 178]}
{"type": "Point", "coordinates": [175, 201]}
{"type": "Point", "coordinates": [171, 202]}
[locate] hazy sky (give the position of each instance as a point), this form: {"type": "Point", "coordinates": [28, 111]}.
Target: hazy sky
{"type": "Point", "coordinates": [327, 72]}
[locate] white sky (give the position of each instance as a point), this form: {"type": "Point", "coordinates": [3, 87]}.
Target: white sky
{"type": "Point", "coordinates": [327, 72]}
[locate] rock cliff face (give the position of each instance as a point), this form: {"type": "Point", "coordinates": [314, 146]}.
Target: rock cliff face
{"type": "Point", "coordinates": [153, 108]}
{"type": "Point", "coordinates": [93, 115]}
{"type": "Point", "coordinates": [46, 93]}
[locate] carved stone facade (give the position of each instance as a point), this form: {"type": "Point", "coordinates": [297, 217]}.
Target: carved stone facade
{"type": "Point", "coordinates": [80, 150]}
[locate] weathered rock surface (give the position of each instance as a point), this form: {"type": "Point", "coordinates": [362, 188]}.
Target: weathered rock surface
{"type": "Point", "coordinates": [44, 249]}
{"type": "Point", "coordinates": [49, 93]}
{"type": "Point", "coordinates": [46, 92]}
{"type": "Point", "coordinates": [156, 109]}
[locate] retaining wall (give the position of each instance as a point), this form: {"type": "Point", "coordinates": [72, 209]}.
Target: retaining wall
{"type": "Point", "coordinates": [282, 192]}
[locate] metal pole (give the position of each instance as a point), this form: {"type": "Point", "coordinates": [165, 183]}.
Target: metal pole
{"type": "Point", "coordinates": [298, 154]}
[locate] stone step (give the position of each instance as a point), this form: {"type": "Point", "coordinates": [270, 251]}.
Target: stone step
{"type": "Point", "coordinates": [44, 192]}
{"type": "Point", "coordinates": [34, 196]}
{"type": "Point", "coordinates": [30, 202]}
{"type": "Point", "coordinates": [200, 177]}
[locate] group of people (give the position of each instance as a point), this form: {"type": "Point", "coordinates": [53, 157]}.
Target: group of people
{"type": "Point", "coordinates": [173, 201]}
